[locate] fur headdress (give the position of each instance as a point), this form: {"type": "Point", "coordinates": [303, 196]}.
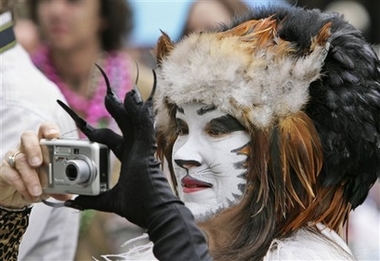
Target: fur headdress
{"type": "Point", "coordinates": [306, 79]}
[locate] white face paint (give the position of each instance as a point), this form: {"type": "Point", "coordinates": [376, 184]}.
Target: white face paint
{"type": "Point", "coordinates": [207, 159]}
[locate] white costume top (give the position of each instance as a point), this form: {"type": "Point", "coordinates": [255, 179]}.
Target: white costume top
{"type": "Point", "coordinates": [302, 245]}
{"type": "Point", "coordinates": [27, 99]}
{"type": "Point", "coordinates": [307, 245]}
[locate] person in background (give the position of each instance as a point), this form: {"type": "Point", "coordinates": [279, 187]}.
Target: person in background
{"type": "Point", "coordinates": [76, 35]}
{"type": "Point", "coordinates": [270, 129]}
{"type": "Point", "coordinates": [28, 98]}
{"type": "Point", "coordinates": [206, 14]}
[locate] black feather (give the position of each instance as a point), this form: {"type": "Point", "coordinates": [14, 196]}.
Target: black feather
{"type": "Point", "coordinates": [345, 102]}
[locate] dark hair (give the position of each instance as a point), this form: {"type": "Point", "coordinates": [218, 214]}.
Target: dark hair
{"type": "Point", "coordinates": [118, 15]}
{"type": "Point", "coordinates": [232, 7]}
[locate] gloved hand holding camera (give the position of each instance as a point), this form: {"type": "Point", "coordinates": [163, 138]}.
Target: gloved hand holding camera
{"type": "Point", "coordinates": [142, 194]}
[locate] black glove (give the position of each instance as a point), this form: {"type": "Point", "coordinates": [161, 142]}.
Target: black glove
{"type": "Point", "coordinates": [142, 194]}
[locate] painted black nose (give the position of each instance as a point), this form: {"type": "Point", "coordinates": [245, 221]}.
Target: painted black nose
{"type": "Point", "coordinates": [187, 163]}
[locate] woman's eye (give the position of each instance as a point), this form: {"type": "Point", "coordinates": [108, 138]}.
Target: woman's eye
{"type": "Point", "coordinates": [223, 126]}
{"type": "Point", "coordinates": [216, 132]}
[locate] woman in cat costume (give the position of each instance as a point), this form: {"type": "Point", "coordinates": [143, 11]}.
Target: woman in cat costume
{"type": "Point", "coordinates": [270, 128]}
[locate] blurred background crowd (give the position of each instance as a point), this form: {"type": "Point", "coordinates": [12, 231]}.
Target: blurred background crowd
{"type": "Point", "coordinates": [149, 17]}
{"type": "Point", "coordinates": [138, 25]}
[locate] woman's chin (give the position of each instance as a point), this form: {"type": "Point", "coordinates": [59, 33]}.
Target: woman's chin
{"type": "Point", "coordinates": [203, 212]}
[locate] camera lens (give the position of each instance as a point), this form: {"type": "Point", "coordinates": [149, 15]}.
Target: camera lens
{"type": "Point", "coordinates": [71, 172]}
{"type": "Point", "coordinates": [79, 171]}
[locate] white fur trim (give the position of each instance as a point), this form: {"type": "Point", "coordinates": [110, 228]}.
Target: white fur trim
{"type": "Point", "coordinates": [139, 248]}
{"type": "Point", "coordinates": [224, 72]}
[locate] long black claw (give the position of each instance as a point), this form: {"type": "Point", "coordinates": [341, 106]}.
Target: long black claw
{"type": "Point", "coordinates": [137, 97]}
{"type": "Point", "coordinates": [110, 92]}
{"type": "Point", "coordinates": [137, 72]}
{"type": "Point", "coordinates": [154, 86]}
{"type": "Point", "coordinates": [80, 123]}
{"type": "Point", "coordinates": [53, 204]}
{"type": "Point", "coordinates": [72, 204]}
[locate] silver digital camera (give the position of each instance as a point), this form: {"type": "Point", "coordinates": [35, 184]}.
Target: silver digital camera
{"type": "Point", "coordinates": [76, 167]}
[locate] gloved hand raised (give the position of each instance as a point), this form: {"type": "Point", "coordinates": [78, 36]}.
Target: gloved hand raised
{"type": "Point", "coordinates": [132, 195]}
{"type": "Point", "coordinates": [142, 194]}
